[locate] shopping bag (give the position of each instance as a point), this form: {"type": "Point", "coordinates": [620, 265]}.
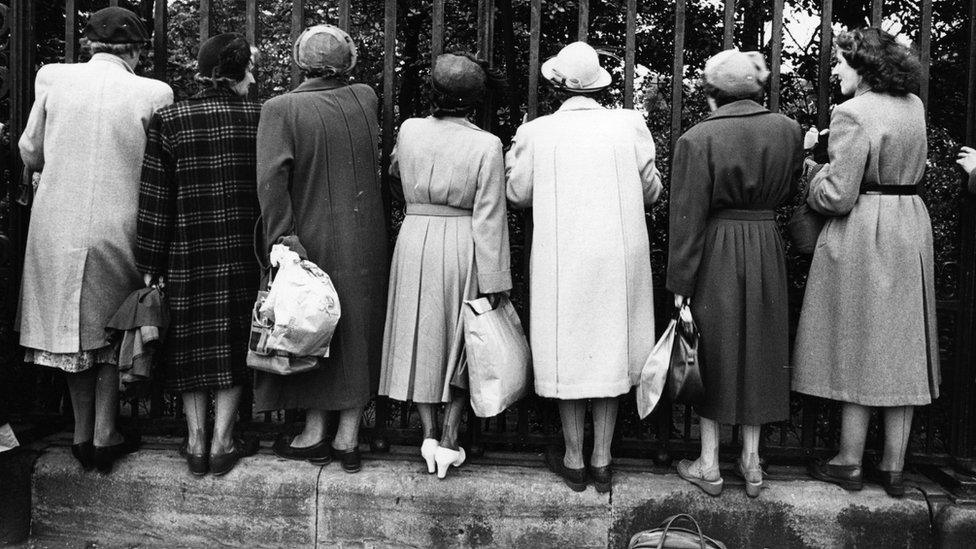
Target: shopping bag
{"type": "Point", "coordinates": [684, 375]}
{"type": "Point", "coordinates": [497, 354]}
{"type": "Point", "coordinates": [654, 374]}
{"type": "Point", "coordinates": [263, 358]}
{"type": "Point", "coordinates": [669, 536]}
{"type": "Point", "coordinates": [805, 226]}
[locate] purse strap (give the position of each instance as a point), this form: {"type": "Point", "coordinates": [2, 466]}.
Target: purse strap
{"type": "Point", "coordinates": [668, 522]}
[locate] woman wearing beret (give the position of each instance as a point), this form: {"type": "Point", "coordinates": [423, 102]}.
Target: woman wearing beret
{"type": "Point", "coordinates": [587, 172]}
{"type": "Point", "coordinates": [319, 188]}
{"type": "Point", "coordinates": [452, 246]}
{"type": "Point", "coordinates": [729, 174]}
{"type": "Point", "coordinates": [867, 334]}
{"type": "Point", "coordinates": [86, 135]}
{"type": "Point", "coordinates": [197, 209]}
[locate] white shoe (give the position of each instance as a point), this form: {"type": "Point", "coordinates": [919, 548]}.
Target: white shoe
{"type": "Point", "coordinates": [428, 449]}
{"type": "Point", "coordinates": [445, 458]}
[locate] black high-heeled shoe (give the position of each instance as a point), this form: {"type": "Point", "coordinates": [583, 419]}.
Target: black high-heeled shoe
{"type": "Point", "coordinates": [105, 456]}
{"type": "Point", "coordinates": [84, 452]}
{"type": "Point", "coordinates": [198, 464]}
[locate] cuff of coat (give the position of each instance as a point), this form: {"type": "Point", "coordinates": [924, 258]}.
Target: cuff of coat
{"type": "Point", "coordinates": [495, 282]}
{"type": "Point", "coordinates": [681, 287]}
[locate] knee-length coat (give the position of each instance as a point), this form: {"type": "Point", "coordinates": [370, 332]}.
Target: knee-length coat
{"type": "Point", "coordinates": [587, 173]}
{"type": "Point", "coordinates": [867, 332]}
{"type": "Point", "coordinates": [318, 180]}
{"type": "Point", "coordinates": [197, 208]}
{"type": "Point", "coordinates": [729, 173]}
{"type": "Point", "coordinates": [86, 134]}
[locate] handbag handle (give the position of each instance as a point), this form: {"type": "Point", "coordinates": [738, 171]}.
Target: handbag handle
{"type": "Point", "coordinates": [666, 526]}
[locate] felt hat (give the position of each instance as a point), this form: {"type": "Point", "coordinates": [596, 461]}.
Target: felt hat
{"type": "Point", "coordinates": [576, 68]}
{"type": "Point", "coordinates": [736, 72]}
{"type": "Point", "coordinates": [115, 25]}
{"type": "Point", "coordinates": [325, 48]}
{"type": "Point", "coordinates": [224, 56]}
{"type": "Point", "coordinates": [459, 78]}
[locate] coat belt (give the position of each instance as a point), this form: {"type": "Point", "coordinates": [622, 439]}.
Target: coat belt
{"type": "Point", "coordinates": [437, 210]}
{"type": "Point", "coordinates": [745, 215]}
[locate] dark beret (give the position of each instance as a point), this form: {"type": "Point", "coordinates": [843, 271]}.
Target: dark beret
{"type": "Point", "coordinates": [116, 25]}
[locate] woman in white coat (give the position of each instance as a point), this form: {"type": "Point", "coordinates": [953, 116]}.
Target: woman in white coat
{"type": "Point", "coordinates": [587, 172]}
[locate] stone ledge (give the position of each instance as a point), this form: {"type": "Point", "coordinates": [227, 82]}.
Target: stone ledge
{"type": "Point", "coordinates": [501, 501]}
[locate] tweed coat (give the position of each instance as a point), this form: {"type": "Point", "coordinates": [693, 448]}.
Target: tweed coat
{"type": "Point", "coordinates": [867, 332]}
{"type": "Point", "coordinates": [197, 208]}
{"type": "Point", "coordinates": [440, 261]}
{"type": "Point", "coordinates": [587, 173]}
{"type": "Point", "coordinates": [86, 134]}
{"type": "Point", "coordinates": [729, 173]}
{"type": "Point", "coordinates": [318, 180]}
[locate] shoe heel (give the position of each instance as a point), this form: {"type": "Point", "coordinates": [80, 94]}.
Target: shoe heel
{"type": "Point", "coordinates": [428, 451]}
{"type": "Point", "coordinates": [753, 489]}
{"type": "Point", "coordinates": [445, 458]}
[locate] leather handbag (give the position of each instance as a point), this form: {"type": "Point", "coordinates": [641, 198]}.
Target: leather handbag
{"type": "Point", "coordinates": [669, 536]}
{"type": "Point", "coordinates": [684, 375]}
{"type": "Point", "coordinates": [805, 226]}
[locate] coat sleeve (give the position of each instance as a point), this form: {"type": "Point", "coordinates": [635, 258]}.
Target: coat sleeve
{"type": "Point", "coordinates": [645, 150]}
{"type": "Point", "coordinates": [489, 223]}
{"type": "Point", "coordinates": [835, 188]}
{"type": "Point", "coordinates": [157, 201]}
{"type": "Point", "coordinates": [691, 198]}
{"type": "Point", "coordinates": [518, 170]}
{"type": "Point", "coordinates": [31, 142]}
{"type": "Point", "coordinates": [275, 159]}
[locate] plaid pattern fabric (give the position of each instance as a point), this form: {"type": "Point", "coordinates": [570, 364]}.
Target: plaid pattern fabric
{"type": "Point", "coordinates": [197, 208]}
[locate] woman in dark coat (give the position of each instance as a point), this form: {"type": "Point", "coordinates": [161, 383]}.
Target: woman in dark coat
{"type": "Point", "coordinates": [730, 173]}
{"type": "Point", "coordinates": [197, 209]}
{"type": "Point", "coordinates": [319, 188]}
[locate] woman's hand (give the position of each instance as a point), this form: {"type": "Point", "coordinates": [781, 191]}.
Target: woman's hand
{"type": "Point", "coordinates": [148, 280]}
{"type": "Point", "coordinates": [811, 138]}
{"type": "Point", "coordinates": [495, 299]}
{"type": "Point", "coordinates": [680, 301]}
{"type": "Point", "coordinates": [967, 159]}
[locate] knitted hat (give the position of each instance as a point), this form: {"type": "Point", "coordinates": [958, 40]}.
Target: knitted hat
{"type": "Point", "coordinates": [224, 56]}
{"type": "Point", "coordinates": [457, 80]}
{"type": "Point", "coordinates": [115, 25]}
{"type": "Point", "coordinates": [325, 48]}
{"type": "Point", "coordinates": [736, 72]}
{"type": "Point", "coordinates": [576, 68]}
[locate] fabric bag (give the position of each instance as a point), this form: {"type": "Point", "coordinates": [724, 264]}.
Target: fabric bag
{"type": "Point", "coordinates": [669, 536]}
{"type": "Point", "coordinates": [498, 356]}
{"type": "Point", "coordinates": [654, 374]}
{"type": "Point", "coordinates": [684, 375]}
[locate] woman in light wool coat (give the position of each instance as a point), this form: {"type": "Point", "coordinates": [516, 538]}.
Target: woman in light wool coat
{"type": "Point", "coordinates": [587, 172]}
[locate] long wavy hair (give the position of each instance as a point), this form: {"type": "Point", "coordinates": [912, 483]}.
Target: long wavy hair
{"type": "Point", "coordinates": [885, 65]}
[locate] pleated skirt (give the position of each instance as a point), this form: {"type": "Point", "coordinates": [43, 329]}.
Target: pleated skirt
{"type": "Point", "coordinates": [741, 308]}
{"type": "Point", "coordinates": [432, 274]}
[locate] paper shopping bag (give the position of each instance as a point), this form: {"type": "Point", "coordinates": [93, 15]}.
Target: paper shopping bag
{"type": "Point", "coordinates": [498, 356]}
{"type": "Point", "coordinates": [655, 372]}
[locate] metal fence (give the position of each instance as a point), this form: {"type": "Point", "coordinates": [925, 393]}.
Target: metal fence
{"type": "Point", "coordinates": [945, 433]}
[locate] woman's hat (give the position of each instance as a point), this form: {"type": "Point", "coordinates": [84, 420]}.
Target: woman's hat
{"type": "Point", "coordinates": [576, 68]}
{"type": "Point", "coordinates": [224, 56]}
{"type": "Point", "coordinates": [736, 72]}
{"type": "Point", "coordinates": [115, 25]}
{"type": "Point", "coordinates": [459, 77]}
{"type": "Point", "coordinates": [325, 48]}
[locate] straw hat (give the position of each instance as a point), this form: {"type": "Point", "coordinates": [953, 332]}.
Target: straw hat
{"type": "Point", "coordinates": [576, 68]}
{"type": "Point", "coordinates": [736, 72]}
{"type": "Point", "coordinates": [323, 48]}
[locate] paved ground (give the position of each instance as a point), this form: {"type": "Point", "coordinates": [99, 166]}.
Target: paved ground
{"type": "Point", "coordinates": [501, 501]}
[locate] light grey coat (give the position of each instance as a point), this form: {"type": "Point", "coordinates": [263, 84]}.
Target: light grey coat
{"type": "Point", "coordinates": [86, 134]}
{"type": "Point", "coordinates": [867, 331]}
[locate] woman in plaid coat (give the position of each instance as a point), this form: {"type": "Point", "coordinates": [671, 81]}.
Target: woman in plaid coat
{"type": "Point", "coordinates": [197, 208]}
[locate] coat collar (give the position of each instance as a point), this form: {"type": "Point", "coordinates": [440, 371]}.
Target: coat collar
{"type": "Point", "coordinates": [736, 109]}
{"type": "Point", "coordinates": [218, 91]}
{"type": "Point", "coordinates": [320, 84]}
{"type": "Point", "coordinates": [460, 121]}
{"type": "Point", "coordinates": [580, 103]}
{"type": "Point", "coordinates": [113, 59]}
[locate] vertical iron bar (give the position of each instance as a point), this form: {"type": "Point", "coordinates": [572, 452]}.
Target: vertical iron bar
{"type": "Point", "coordinates": [437, 30]}
{"type": "Point", "coordinates": [971, 81]}
{"type": "Point", "coordinates": [925, 51]}
{"type": "Point", "coordinates": [728, 29]}
{"type": "Point", "coordinates": [877, 12]}
{"type": "Point", "coordinates": [389, 75]}
{"type": "Point", "coordinates": [297, 24]}
{"type": "Point", "coordinates": [777, 55]}
{"type": "Point", "coordinates": [486, 44]}
{"type": "Point", "coordinates": [160, 55]}
{"type": "Point", "coordinates": [344, 15]}
{"type": "Point", "coordinates": [70, 31]}
{"type": "Point", "coordinates": [823, 75]}
{"type": "Point", "coordinates": [630, 54]}
{"type": "Point", "coordinates": [204, 20]}
{"type": "Point", "coordinates": [113, 3]}
{"type": "Point", "coordinates": [535, 32]}
{"type": "Point", "coordinates": [583, 23]}
{"type": "Point", "coordinates": [251, 22]}
{"type": "Point", "coordinates": [677, 85]}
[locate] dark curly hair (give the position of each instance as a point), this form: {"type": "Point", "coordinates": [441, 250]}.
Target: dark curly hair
{"type": "Point", "coordinates": [885, 65]}
{"type": "Point", "coordinates": [444, 103]}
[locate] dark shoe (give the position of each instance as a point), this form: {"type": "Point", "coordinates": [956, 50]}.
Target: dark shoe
{"type": "Point", "coordinates": [221, 464]}
{"type": "Point", "coordinates": [351, 460]}
{"type": "Point", "coordinates": [199, 464]}
{"type": "Point", "coordinates": [574, 478]}
{"type": "Point", "coordinates": [105, 456]}
{"type": "Point", "coordinates": [319, 454]}
{"type": "Point", "coordinates": [893, 482]}
{"type": "Point", "coordinates": [84, 452]}
{"type": "Point", "coordinates": [602, 478]}
{"type": "Point", "coordinates": [848, 477]}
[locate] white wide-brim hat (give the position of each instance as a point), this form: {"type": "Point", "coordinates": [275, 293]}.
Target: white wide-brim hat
{"type": "Point", "coordinates": [576, 68]}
